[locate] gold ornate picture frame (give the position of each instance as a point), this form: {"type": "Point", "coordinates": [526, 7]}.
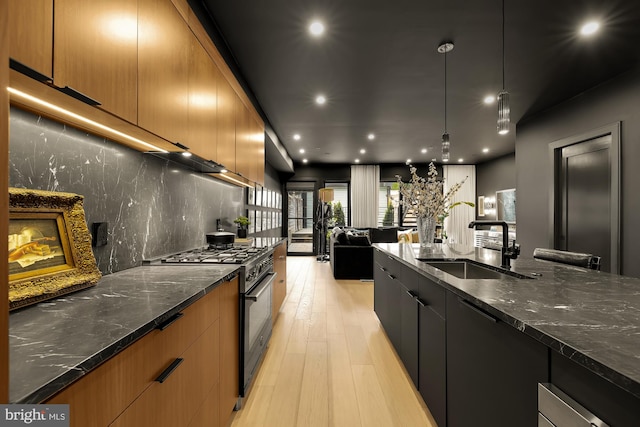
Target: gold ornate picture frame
{"type": "Point", "coordinates": [49, 246]}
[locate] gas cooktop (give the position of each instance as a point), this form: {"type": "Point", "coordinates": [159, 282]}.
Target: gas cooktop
{"type": "Point", "coordinates": [214, 255]}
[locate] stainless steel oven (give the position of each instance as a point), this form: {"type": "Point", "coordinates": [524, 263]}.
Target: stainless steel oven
{"type": "Point", "coordinates": [256, 319]}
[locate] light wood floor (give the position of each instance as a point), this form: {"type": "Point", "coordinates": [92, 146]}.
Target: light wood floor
{"type": "Point", "coordinates": [329, 362]}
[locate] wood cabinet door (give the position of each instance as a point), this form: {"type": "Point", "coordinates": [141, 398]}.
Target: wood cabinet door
{"type": "Point", "coordinates": [96, 52]}
{"type": "Point", "coordinates": [31, 34]}
{"type": "Point", "coordinates": [226, 125]}
{"type": "Point", "coordinates": [244, 143]}
{"type": "Point", "coordinates": [257, 139]}
{"type": "Point", "coordinates": [99, 397]}
{"type": "Point", "coordinates": [163, 70]}
{"type": "Point", "coordinates": [229, 349]}
{"type": "Point", "coordinates": [203, 92]}
{"type": "Point", "coordinates": [176, 401]}
{"type": "Point", "coordinates": [280, 285]}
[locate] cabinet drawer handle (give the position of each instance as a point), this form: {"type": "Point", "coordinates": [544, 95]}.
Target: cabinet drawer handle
{"type": "Point", "coordinates": [391, 276]}
{"type": "Point", "coordinates": [79, 96]}
{"type": "Point", "coordinates": [479, 311]}
{"type": "Point", "coordinates": [165, 374]}
{"type": "Point", "coordinates": [422, 303]}
{"type": "Point", "coordinates": [383, 269]}
{"type": "Point", "coordinates": [164, 325]}
{"type": "Point", "coordinates": [412, 294]}
{"type": "Point", "coordinates": [28, 71]}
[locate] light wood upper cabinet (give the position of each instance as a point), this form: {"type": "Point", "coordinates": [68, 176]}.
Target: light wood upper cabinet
{"type": "Point", "coordinates": [163, 70]}
{"type": "Point", "coordinates": [203, 84]}
{"type": "Point", "coordinates": [257, 135]}
{"type": "Point", "coordinates": [226, 125]}
{"type": "Point", "coordinates": [96, 52]}
{"type": "Point", "coordinates": [244, 149]}
{"type": "Point", "coordinates": [31, 34]}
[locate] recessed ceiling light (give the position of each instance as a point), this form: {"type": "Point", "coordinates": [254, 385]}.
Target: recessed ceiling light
{"type": "Point", "coordinates": [301, 150]}
{"type": "Point", "coordinates": [445, 160]}
{"type": "Point", "coordinates": [485, 150]}
{"type": "Point", "coordinates": [371, 137]}
{"type": "Point", "coordinates": [321, 100]}
{"type": "Point", "coordinates": [489, 99]}
{"type": "Point", "coordinates": [589, 28]}
{"type": "Point", "coordinates": [423, 151]}
{"type": "Point", "coordinates": [408, 161]}
{"type": "Point", "coordinates": [304, 160]}
{"type": "Point", "coordinates": [460, 160]}
{"type": "Point", "coordinates": [362, 151]}
{"type": "Point", "coordinates": [357, 160]}
{"type": "Point", "coordinates": [296, 136]}
{"type": "Point", "coordinates": [503, 132]}
{"type": "Point", "coordinates": [316, 28]}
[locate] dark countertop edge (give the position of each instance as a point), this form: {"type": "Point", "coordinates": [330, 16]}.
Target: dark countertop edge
{"type": "Point", "coordinates": [56, 385]}
{"type": "Point", "coordinates": [555, 344]}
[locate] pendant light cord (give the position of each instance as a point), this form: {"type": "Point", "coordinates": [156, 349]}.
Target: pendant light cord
{"type": "Point", "coordinates": [445, 91]}
{"type": "Point", "coordinates": [503, 45]}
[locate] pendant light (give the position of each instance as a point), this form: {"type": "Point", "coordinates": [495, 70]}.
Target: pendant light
{"type": "Point", "coordinates": [446, 143]}
{"type": "Point", "coordinates": [503, 96]}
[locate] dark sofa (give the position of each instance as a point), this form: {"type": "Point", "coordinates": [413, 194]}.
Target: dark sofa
{"type": "Point", "coordinates": [351, 257]}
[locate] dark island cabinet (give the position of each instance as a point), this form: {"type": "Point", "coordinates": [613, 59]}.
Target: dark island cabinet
{"type": "Point", "coordinates": [432, 373]}
{"type": "Point", "coordinates": [411, 310]}
{"type": "Point", "coordinates": [492, 369]}
{"type": "Point", "coordinates": [607, 401]}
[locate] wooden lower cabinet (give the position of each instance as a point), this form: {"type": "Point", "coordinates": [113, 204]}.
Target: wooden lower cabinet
{"type": "Point", "coordinates": [201, 390]}
{"type": "Point", "coordinates": [280, 285]}
{"type": "Point", "coordinates": [180, 396]}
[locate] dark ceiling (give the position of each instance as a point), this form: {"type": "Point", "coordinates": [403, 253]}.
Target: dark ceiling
{"type": "Point", "coordinates": [378, 66]}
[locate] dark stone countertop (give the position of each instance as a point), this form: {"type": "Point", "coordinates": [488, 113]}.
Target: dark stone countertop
{"type": "Point", "coordinates": [54, 343]}
{"type": "Point", "coordinates": [590, 317]}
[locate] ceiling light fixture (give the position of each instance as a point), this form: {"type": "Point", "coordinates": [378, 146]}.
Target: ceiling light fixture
{"type": "Point", "coordinates": [408, 161]}
{"type": "Point", "coordinates": [460, 160]}
{"type": "Point", "coordinates": [316, 28]}
{"type": "Point", "coordinates": [489, 99]}
{"type": "Point", "coordinates": [446, 144]}
{"type": "Point", "coordinates": [296, 136]}
{"type": "Point", "coordinates": [504, 111]}
{"type": "Point", "coordinates": [321, 100]}
{"type": "Point", "coordinates": [590, 28]}
{"type": "Point", "coordinates": [357, 160]}
{"type": "Point", "coordinates": [305, 160]}
{"type": "Point", "coordinates": [362, 151]}
{"type": "Point", "coordinates": [371, 137]}
{"type": "Point", "coordinates": [485, 150]}
{"type": "Point", "coordinates": [423, 151]}
{"type": "Point", "coordinates": [302, 151]}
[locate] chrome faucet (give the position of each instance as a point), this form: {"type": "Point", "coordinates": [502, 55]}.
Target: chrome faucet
{"type": "Point", "coordinates": [508, 252]}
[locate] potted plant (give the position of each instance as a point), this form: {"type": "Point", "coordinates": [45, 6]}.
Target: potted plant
{"type": "Point", "coordinates": [242, 222]}
{"type": "Point", "coordinates": [387, 221]}
{"type": "Point", "coordinates": [338, 214]}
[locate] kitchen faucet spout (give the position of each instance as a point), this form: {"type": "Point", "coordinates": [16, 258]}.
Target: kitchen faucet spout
{"type": "Point", "coordinates": [508, 252]}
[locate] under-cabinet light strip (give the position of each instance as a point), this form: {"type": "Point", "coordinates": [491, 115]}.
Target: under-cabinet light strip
{"type": "Point", "coordinates": [236, 180]}
{"type": "Point", "coordinates": [82, 119]}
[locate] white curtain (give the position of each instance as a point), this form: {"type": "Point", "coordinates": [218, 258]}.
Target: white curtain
{"type": "Point", "coordinates": [365, 180]}
{"type": "Point", "coordinates": [457, 224]}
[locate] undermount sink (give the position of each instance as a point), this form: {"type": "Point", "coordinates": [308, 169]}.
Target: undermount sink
{"type": "Point", "coordinates": [471, 270]}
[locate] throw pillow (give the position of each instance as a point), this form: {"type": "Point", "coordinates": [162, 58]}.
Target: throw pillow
{"type": "Point", "coordinates": [341, 238]}
{"type": "Point", "coordinates": [358, 240]}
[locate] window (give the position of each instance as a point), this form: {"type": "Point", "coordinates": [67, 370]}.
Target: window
{"type": "Point", "coordinates": [388, 201]}
{"type": "Point", "coordinates": [341, 197]}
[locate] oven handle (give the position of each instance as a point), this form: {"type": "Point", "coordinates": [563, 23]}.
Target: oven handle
{"type": "Point", "coordinates": [266, 282]}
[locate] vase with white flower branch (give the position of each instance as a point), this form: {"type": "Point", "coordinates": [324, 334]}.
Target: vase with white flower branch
{"type": "Point", "coordinates": [426, 198]}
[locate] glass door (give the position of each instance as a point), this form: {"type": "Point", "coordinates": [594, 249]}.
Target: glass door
{"type": "Point", "coordinates": [300, 222]}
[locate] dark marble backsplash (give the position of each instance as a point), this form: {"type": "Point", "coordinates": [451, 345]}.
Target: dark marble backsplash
{"type": "Point", "coordinates": [153, 207]}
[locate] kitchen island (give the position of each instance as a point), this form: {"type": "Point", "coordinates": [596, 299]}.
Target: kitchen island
{"type": "Point", "coordinates": [570, 316]}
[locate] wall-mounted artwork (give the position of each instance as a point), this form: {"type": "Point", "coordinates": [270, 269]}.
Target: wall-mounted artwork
{"type": "Point", "coordinates": [506, 205]}
{"type": "Point", "coordinates": [49, 246]}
